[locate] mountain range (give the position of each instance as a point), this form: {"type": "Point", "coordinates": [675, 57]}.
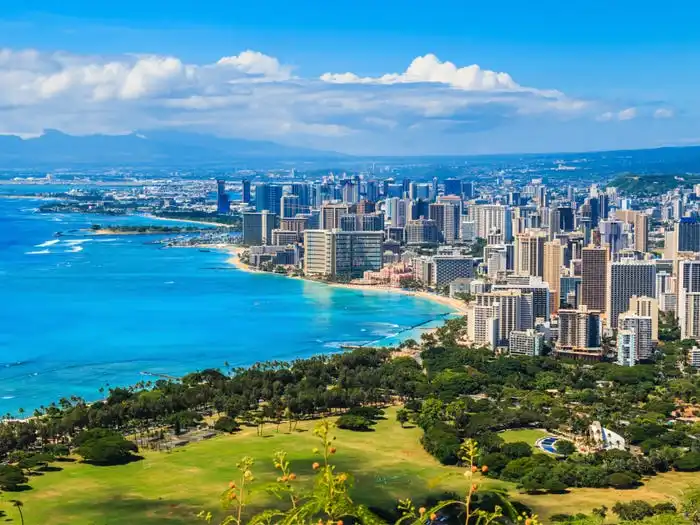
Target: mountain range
{"type": "Point", "coordinates": [160, 148]}
{"type": "Point", "coordinates": [176, 149]}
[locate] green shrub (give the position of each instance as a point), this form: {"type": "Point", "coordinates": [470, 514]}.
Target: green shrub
{"type": "Point", "coordinates": [356, 423]}
{"type": "Point", "coordinates": [442, 442]}
{"type": "Point", "coordinates": [367, 412]}
{"type": "Point", "coordinates": [688, 462]}
{"type": "Point", "coordinates": [621, 480]}
{"type": "Point", "coordinates": [11, 477]}
{"type": "Point", "coordinates": [516, 450]}
{"type": "Point", "coordinates": [635, 510]}
{"type": "Point", "coordinates": [227, 424]}
{"type": "Point", "coordinates": [104, 447]}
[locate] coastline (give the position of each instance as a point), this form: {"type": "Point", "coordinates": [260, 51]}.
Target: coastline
{"type": "Point", "coordinates": [459, 306]}
{"type": "Point", "coordinates": [205, 223]}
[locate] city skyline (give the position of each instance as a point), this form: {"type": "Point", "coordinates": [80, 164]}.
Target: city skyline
{"type": "Point", "coordinates": [450, 80]}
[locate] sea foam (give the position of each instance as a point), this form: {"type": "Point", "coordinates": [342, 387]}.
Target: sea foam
{"type": "Point", "coordinates": [38, 252]}
{"type": "Point", "coordinates": [48, 243]}
{"type": "Point", "coordinates": [76, 242]}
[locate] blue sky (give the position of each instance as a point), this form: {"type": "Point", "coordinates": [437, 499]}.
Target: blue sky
{"type": "Point", "coordinates": [580, 75]}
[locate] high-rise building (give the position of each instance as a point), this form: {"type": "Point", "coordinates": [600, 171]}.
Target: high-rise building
{"type": "Point", "coordinates": [353, 222]}
{"type": "Point", "coordinates": [611, 235]}
{"type": "Point", "coordinates": [551, 274]}
{"type": "Point", "coordinates": [245, 191]}
{"type": "Point", "coordinates": [511, 308]}
{"type": "Point", "coordinates": [496, 259]}
{"type": "Point", "coordinates": [647, 307]}
{"type": "Point", "coordinates": [268, 197]}
{"type": "Point", "coordinates": [297, 224]}
{"type": "Point", "coordinates": [538, 290]}
{"type": "Point", "coordinates": [594, 282]}
{"type": "Point", "coordinates": [565, 214]}
{"type": "Point", "coordinates": [467, 190]}
{"type": "Point", "coordinates": [483, 324]}
{"type": "Point", "coordinates": [688, 302]}
{"type": "Point", "coordinates": [526, 342]}
{"type": "Point", "coordinates": [397, 211]}
{"type": "Point", "coordinates": [569, 291]}
{"type": "Point", "coordinates": [417, 209]}
{"type": "Point", "coordinates": [626, 279]}
{"type": "Point", "coordinates": [289, 206]}
{"type": "Point", "coordinates": [337, 253]}
{"type": "Point", "coordinates": [303, 191]}
{"type": "Point", "coordinates": [421, 231]}
{"type": "Point", "coordinates": [329, 218]}
{"type": "Point", "coordinates": [371, 191]}
{"type": "Point", "coordinates": [687, 235]}
{"type": "Point", "coordinates": [284, 237]}
{"type": "Point", "coordinates": [529, 253]}
{"type": "Point", "coordinates": [351, 191]}
{"type": "Point", "coordinates": [452, 187]}
{"type": "Point", "coordinates": [491, 218]}
{"type": "Point", "coordinates": [447, 268]}
{"type": "Point", "coordinates": [634, 341]}
{"type": "Point", "coordinates": [640, 225]}
{"type": "Point", "coordinates": [257, 227]}
{"type": "Point", "coordinates": [365, 206]}
{"type": "Point", "coordinates": [349, 223]}
{"type": "Point", "coordinates": [447, 216]}
{"type": "Point", "coordinates": [371, 222]}
{"type": "Point", "coordinates": [223, 205]}
{"type": "Point", "coordinates": [579, 333]}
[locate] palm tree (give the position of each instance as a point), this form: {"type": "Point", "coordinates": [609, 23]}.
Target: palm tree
{"type": "Point", "coordinates": [18, 505]}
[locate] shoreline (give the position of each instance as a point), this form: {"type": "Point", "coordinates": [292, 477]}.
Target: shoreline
{"type": "Point", "coordinates": [205, 223]}
{"type": "Point", "coordinates": [459, 306]}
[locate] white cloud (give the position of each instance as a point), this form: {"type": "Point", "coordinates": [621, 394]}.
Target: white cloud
{"type": "Point", "coordinates": [625, 114]}
{"type": "Point", "coordinates": [663, 113]}
{"type": "Point", "coordinates": [256, 96]}
{"type": "Point", "coordinates": [429, 68]}
{"type": "Point", "coordinates": [256, 63]}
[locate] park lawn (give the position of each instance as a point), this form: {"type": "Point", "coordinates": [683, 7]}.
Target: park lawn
{"type": "Point", "coordinates": [171, 488]}
{"type": "Point", "coordinates": [528, 435]}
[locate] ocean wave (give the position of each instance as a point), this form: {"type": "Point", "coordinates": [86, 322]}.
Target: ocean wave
{"type": "Point", "coordinates": [105, 240]}
{"type": "Point", "coordinates": [38, 252]}
{"type": "Point", "coordinates": [16, 363]}
{"type": "Point", "coordinates": [48, 243]}
{"type": "Point", "coordinates": [76, 242]}
{"type": "Point", "coordinates": [7, 397]}
{"type": "Point", "coordinates": [381, 324]}
{"type": "Point", "coordinates": [74, 249]}
{"type": "Point", "coordinates": [169, 282]}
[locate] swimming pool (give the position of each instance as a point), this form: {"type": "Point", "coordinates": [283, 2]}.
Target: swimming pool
{"type": "Point", "coordinates": [547, 444]}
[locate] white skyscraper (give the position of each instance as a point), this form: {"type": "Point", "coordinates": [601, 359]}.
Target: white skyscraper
{"type": "Point", "coordinates": [490, 218]}
{"type": "Point", "coordinates": [634, 339]}
{"type": "Point", "coordinates": [688, 303]}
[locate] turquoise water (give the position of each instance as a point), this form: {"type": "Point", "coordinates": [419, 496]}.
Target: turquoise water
{"type": "Point", "coordinates": [81, 312]}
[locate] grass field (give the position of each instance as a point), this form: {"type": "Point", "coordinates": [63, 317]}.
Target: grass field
{"type": "Point", "coordinates": [529, 436]}
{"type": "Point", "coordinates": [171, 488]}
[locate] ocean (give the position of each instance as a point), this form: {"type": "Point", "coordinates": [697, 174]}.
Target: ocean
{"type": "Point", "coordinates": [80, 313]}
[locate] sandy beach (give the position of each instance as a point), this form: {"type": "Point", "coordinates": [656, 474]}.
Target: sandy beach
{"type": "Point", "coordinates": [459, 306]}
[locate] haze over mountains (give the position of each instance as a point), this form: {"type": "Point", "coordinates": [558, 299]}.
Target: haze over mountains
{"type": "Point", "coordinates": [55, 149]}
{"type": "Point", "coordinates": [144, 147]}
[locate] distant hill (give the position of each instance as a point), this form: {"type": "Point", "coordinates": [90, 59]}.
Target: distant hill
{"type": "Point", "coordinates": [651, 184]}
{"type": "Point", "coordinates": [160, 148]}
